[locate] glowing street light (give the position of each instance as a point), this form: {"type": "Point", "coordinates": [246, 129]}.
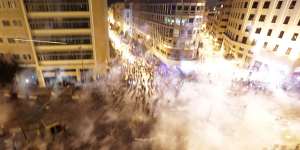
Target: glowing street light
{"type": "Point", "coordinates": [27, 81]}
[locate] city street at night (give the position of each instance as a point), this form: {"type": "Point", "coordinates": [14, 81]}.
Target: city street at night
{"type": "Point", "coordinates": [149, 75]}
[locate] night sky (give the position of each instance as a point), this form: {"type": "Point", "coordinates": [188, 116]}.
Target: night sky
{"type": "Point", "coordinates": [209, 2]}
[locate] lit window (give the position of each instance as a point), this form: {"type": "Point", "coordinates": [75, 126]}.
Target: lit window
{"type": "Point", "coordinates": [255, 4]}
{"type": "Point", "coordinates": [286, 20]}
{"type": "Point", "coordinates": [293, 4]}
{"type": "Point", "coordinates": [279, 5]}
{"type": "Point", "coordinates": [281, 34]}
{"type": "Point", "coordinates": [295, 36]}
{"type": "Point", "coordinates": [266, 5]}
{"type": "Point", "coordinates": [262, 18]}
{"type": "Point", "coordinates": [288, 51]}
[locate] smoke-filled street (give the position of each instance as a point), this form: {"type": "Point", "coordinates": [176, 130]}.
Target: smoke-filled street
{"type": "Point", "coordinates": [142, 103]}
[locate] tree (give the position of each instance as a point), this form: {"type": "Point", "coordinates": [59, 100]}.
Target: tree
{"type": "Point", "coordinates": [9, 68]}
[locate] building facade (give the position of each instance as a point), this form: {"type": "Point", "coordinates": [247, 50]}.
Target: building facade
{"type": "Point", "coordinates": [118, 15]}
{"type": "Point", "coordinates": [56, 39]}
{"type": "Point", "coordinates": [264, 33]}
{"type": "Point", "coordinates": [169, 27]}
{"type": "Point", "coordinates": [219, 20]}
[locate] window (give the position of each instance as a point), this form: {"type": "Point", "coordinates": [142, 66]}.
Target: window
{"type": "Point", "coordinates": [253, 42]}
{"type": "Point", "coordinates": [193, 8]}
{"type": "Point", "coordinates": [251, 17]}
{"type": "Point", "coordinates": [240, 27]}
{"type": "Point", "coordinates": [255, 4]}
{"type": "Point", "coordinates": [11, 40]}
{"type": "Point", "coordinates": [243, 16]}
{"type": "Point", "coordinates": [17, 22]}
{"type": "Point", "coordinates": [265, 44]}
{"type": "Point", "coordinates": [269, 32]}
{"type": "Point", "coordinates": [279, 5]}
{"type": "Point", "coordinates": [295, 36]}
{"type": "Point", "coordinates": [244, 40]}
{"type": "Point", "coordinates": [236, 38]}
{"type": "Point", "coordinates": [281, 34]}
{"type": "Point", "coordinates": [1, 40]}
{"type": "Point", "coordinates": [299, 23]}
{"type": "Point", "coordinates": [15, 56]}
{"type": "Point", "coordinates": [25, 57]}
{"type": "Point", "coordinates": [247, 29]}
{"type": "Point", "coordinates": [266, 5]}
{"type": "Point", "coordinates": [274, 19]}
{"type": "Point", "coordinates": [246, 5]}
{"type": "Point", "coordinates": [293, 4]}
{"type": "Point", "coordinates": [288, 51]}
{"type": "Point", "coordinates": [5, 23]}
{"type": "Point", "coordinates": [275, 48]}
{"type": "Point", "coordinates": [241, 49]}
{"type": "Point", "coordinates": [186, 8]}
{"type": "Point", "coordinates": [179, 7]}
{"type": "Point", "coordinates": [286, 20]}
{"type": "Point", "coordinates": [258, 30]}
{"type": "Point", "coordinates": [240, 55]}
{"type": "Point", "coordinates": [262, 18]}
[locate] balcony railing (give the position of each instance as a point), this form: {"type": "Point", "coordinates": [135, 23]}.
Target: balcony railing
{"type": "Point", "coordinates": [59, 24]}
{"type": "Point", "coordinates": [56, 6]}
{"type": "Point", "coordinates": [68, 55]}
{"type": "Point", "coordinates": [69, 40]}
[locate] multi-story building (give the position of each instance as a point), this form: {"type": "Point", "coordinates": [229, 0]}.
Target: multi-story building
{"type": "Point", "coordinates": [118, 14]}
{"type": "Point", "coordinates": [127, 17]}
{"type": "Point", "coordinates": [170, 27]}
{"type": "Point", "coordinates": [56, 39]}
{"type": "Point", "coordinates": [209, 19]}
{"type": "Point", "coordinates": [220, 19]}
{"type": "Point", "coordinates": [264, 33]}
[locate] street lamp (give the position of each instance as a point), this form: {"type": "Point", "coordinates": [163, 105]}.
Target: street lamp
{"type": "Point", "coordinates": [26, 81]}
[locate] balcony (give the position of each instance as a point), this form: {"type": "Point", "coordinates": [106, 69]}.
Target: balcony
{"type": "Point", "coordinates": [42, 32]}
{"type": "Point", "coordinates": [46, 48]}
{"type": "Point", "coordinates": [83, 62]}
{"type": "Point", "coordinates": [60, 23]}
{"type": "Point", "coordinates": [55, 5]}
{"type": "Point", "coordinates": [75, 14]}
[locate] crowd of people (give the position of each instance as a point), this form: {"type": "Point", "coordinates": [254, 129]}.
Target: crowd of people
{"type": "Point", "coordinates": [242, 86]}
